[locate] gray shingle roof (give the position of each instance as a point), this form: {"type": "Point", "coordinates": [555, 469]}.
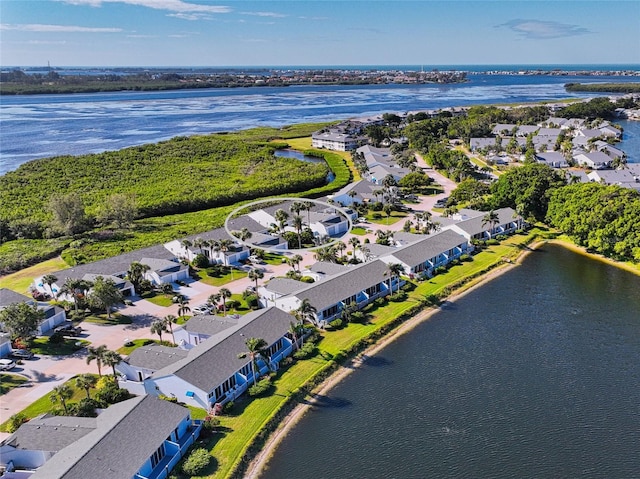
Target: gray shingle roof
{"type": "Point", "coordinates": [216, 359]}
{"type": "Point", "coordinates": [155, 356]}
{"type": "Point", "coordinates": [128, 433]}
{"type": "Point", "coordinates": [50, 433]}
{"type": "Point", "coordinates": [8, 297]}
{"type": "Point", "coordinates": [429, 247]}
{"type": "Point", "coordinates": [355, 279]}
{"type": "Point", "coordinates": [474, 226]}
{"type": "Point", "coordinates": [209, 324]}
{"type": "Point", "coordinates": [284, 285]}
{"type": "Point", "coordinates": [327, 268]}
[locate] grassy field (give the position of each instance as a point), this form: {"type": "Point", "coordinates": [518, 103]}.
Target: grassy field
{"type": "Point", "coordinates": [358, 231]}
{"type": "Point", "coordinates": [395, 217]}
{"type": "Point", "coordinates": [10, 381]}
{"type": "Point", "coordinates": [21, 280]}
{"type": "Point", "coordinates": [158, 299]}
{"type": "Point", "coordinates": [42, 345]}
{"type": "Point", "coordinates": [243, 426]}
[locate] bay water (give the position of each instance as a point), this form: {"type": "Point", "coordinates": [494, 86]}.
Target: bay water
{"type": "Point", "coordinates": [533, 375]}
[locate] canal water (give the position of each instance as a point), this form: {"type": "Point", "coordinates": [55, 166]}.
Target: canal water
{"type": "Point", "coordinates": [534, 375]}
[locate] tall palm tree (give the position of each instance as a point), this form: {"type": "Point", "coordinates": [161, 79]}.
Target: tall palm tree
{"type": "Point", "coordinates": [158, 327]}
{"type": "Point", "coordinates": [61, 394]}
{"type": "Point", "coordinates": [213, 299]}
{"type": "Point", "coordinates": [281, 217]}
{"type": "Point", "coordinates": [296, 207]}
{"type": "Point", "coordinates": [86, 382]}
{"type": "Point", "coordinates": [169, 319]}
{"type": "Point", "coordinates": [199, 243]}
{"type": "Point", "coordinates": [136, 274]}
{"type": "Point", "coordinates": [307, 206]}
{"type": "Point", "coordinates": [394, 270]}
{"type": "Point", "coordinates": [307, 312]}
{"type": "Point", "coordinates": [255, 275]}
{"type": "Point", "coordinates": [224, 294]}
{"type": "Point", "coordinates": [254, 347]}
{"type": "Point", "coordinates": [297, 224]}
{"type": "Point", "coordinates": [296, 331]}
{"type": "Point", "coordinates": [49, 280]}
{"type": "Point", "coordinates": [366, 253]}
{"type": "Point", "coordinates": [112, 359]}
{"type": "Point", "coordinates": [97, 353]}
{"type": "Point", "coordinates": [340, 247]}
{"type": "Point", "coordinates": [186, 244]}
{"type": "Point", "coordinates": [183, 306]}
{"type": "Point", "coordinates": [355, 242]}
{"type": "Point", "coordinates": [296, 259]}
{"type": "Point", "coordinates": [492, 219]}
{"type": "Point", "coordinates": [225, 246]}
{"type": "Point", "coordinates": [71, 287]}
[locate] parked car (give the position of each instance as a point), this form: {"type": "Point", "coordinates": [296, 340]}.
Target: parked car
{"type": "Point", "coordinates": [6, 364]}
{"type": "Point", "coordinates": [256, 260]}
{"type": "Point", "coordinates": [201, 309]}
{"type": "Point", "coordinates": [21, 354]}
{"type": "Point", "coordinates": [68, 329]}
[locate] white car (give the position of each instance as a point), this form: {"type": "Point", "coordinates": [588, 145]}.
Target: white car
{"type": "Point", "coordinates": [6, 364]}
{"type": "Point", "coordinates": [202, 309]}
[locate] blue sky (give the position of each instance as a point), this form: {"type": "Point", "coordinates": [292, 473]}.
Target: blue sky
{"type": "Point", "coordinates": [227, 33]}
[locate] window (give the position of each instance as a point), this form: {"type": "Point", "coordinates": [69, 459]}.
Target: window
{"type": "Point", "coordinates": [157, 456]}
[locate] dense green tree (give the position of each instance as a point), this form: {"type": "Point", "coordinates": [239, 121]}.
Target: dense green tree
{"type": "Point", "coordinates": [21, 320]}
{"type": "Point", "coordinates": [600, 107]}
{"type": "Point", "coordinates": [526, 189]}
{"type": "Point", "coordinates": [468, 190]}
{"type": "Point", "coordinates": [136, 274]}
{"type": "Point", "coordinates": [415, 181]}
{"type": "Point", "coordinates": [104, 294]}
{"type": "Point", "coordinates": [119, 210]}
{"type": "Point", "coordinates": [68, 213]}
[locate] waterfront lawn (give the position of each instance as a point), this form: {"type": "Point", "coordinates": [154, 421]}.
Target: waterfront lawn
{"type": "Point", "coordinates": [10, 381]}
{"type": "Point", "coordinates": [21, 280]}
{"type": "Point", "coordinates": [43, 346]}
{"type": "Point", "coordinates": [238, 430]}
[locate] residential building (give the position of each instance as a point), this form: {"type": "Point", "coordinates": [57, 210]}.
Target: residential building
{"type": "Point", "coordinates": [53, 315]}
{"type": "Point", "coordinates": [334, 140]}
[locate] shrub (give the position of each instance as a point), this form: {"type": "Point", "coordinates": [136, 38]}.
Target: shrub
{"type": "Point", "coordinates": [307, 279]}
{"type": "Point", "coordinates": [501, 237]}
{"type": "Point", "coordinates": [172, 399]}
{"type": "Point", "coordinates": [112, 394]}
{"type": "Point", "coordinates": [228, 407]}
{"type": "Point", "coordinates": [306, 351]}
{"type": "Point", "coordinates": [440, 270]}
{"type": "Point", "coordinates": [232, 304]}
{"type": "Point", "coordinates": [16, 421]}
{"type": "Point", "coordinates": [200, 261]}
{"type": "Point", "coordinates": [358, 317]}
{"type": "Point", "coordinates": [252, 301]}
{"type": "Point", "coordinates": [465, 258]}
{"type": "Point", "coordinates": [377, 206]}
{"type": "Point", "coordinates": [260, 388]}
{"type": "Point", "coordinates": [210, 424]}
{"type": "Point", "coordinates": [336, 323]}
{"type": "Point", "coordinates": [380, 301]}
{"type": "Point", "coordinates": [398, 297]}
{"type": "Point", "coordinates": [197, 462]}
{"type": "Point", "coordinates": [104, 382]}
{"type": "Point", "coordinates": [493, 242]}
{"type": "Point", "coordinates": [376, 216]}
{"type": "Point", "coordinates": [87, 407]}
{"type": "Point", "coordinates": [56, 338]}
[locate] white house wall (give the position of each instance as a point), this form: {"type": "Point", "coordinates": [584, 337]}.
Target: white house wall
{"type": "Point", "coordinates": [173, 385]}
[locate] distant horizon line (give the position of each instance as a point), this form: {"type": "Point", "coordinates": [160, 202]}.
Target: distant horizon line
{"type": "Point", "coordinates": [341, 66]}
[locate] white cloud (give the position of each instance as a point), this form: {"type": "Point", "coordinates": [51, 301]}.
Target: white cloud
{"type": "Point", "coordinates": [142, 36]}
{"type": "Point", "coordinates": [191, 16]}
{"type": "Point", "coordinates": [542, 30]}
{"type": "Point", "coordinates": [38, 27]}
{"type": "Point", "coordinates": [170, 5]}
{"type": "Point", "coordinates": [265, 14]}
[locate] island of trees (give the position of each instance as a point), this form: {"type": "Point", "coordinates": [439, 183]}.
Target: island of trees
{"type": "Point", "coordinates": [604, 87]}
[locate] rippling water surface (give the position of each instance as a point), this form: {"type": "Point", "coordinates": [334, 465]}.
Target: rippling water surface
{"type": "Point", "coordinates": [37, 126]}
{"type": "Point", "coordinates": [534, 375]}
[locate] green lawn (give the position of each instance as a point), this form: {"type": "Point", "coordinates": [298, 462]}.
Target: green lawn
{"type": "Point", "coordinates": [42, 345]}
{"type": "Point", "coordinates": [21, 280]}
{"type": "Point", "coordinates": [273, 258]}
{"type": "Point", "coordinates": [229, 446]}
{"type": "Point", "coordinates": [220, 279]}
{"type": "Point", "coordinates": [10, 381]}
{"type": "Point", "coordinates": [395, 217]}
{"type": "Point", "coordinates": [136, 343]}
{"type": "Point", "coordinates": [358, 231]}
{"type": "Point", "coordinates": [158, 299]}
{"type": "Point", "coordinates": [116, 318]}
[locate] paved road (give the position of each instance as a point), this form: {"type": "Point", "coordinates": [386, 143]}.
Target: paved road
{"type": "Point", "coordinates": [46, 372]}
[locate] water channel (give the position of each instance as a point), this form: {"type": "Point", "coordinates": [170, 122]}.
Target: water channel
{"type": "Point", "coordinates": [533, 375]}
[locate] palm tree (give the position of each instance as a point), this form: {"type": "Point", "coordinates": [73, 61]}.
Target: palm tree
{"type": "Point", "coordinates": [112, 359]}
{"type": "Point", "coordinates": [395, 270]}
{"type": "Point", "coordinates": [255, 275]}
{"type": "Point", "coordinates": [224, 294]}
{"type": "Point", "coordinates": [281, 217]}
{"type": "Point", "coordinates": [169, 319]}
{"type": "Point", "coordinates": [366, 253]}
{"type": "Point", "coordinates": [186, 244]}
{"type": "Point", "coordinates": [244, 234]}
{"type": "Point", "coordinates": [492, 219]}
{"type": "Point", "coordinates": [355, 242]}
{"type": "Point", "coordinates": [61, 394]}
{"type": "Point", "coordinates": [297, 224]}
{"type": "Point", "coordinates": [340, 247]}
{"type": "Point", "coordinates": [307, 206]}
{"type": "Point", "coordinates": [213, 299]}
{"type": "Point", "coordinates": [296, 259]}
{"type": "Point", "coordinates": [158, 327]}
{"type": "Point", "coordinates": [86, 382]}
{"type": "Point", "coordinates": [136, 274]}
{"type": "Point", "coordinates": [97, 353]}
{"type": "Point", "coordinates": [167, 289]}
{"type": "Point", "coordinates": [307, 312]}
{"type": "Point", "coordinates": [183, 306]}
{"type": "Point", "coordinates": [254, 347]}
{"type": "Point", "coordinates": [296, 207]}
{"type": "Point", "coordinates": [295, 330]}
{"type": "Point", "coordinates": [49, 280]}
{"type": "Point", "coordinates": [199, 243]}
{"type": "Point", "coordinates": [225, 246]}
{"type": "Point", "coordinates": [352, 194]}
{"type": "Point", "coordinates": [71, 287]}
